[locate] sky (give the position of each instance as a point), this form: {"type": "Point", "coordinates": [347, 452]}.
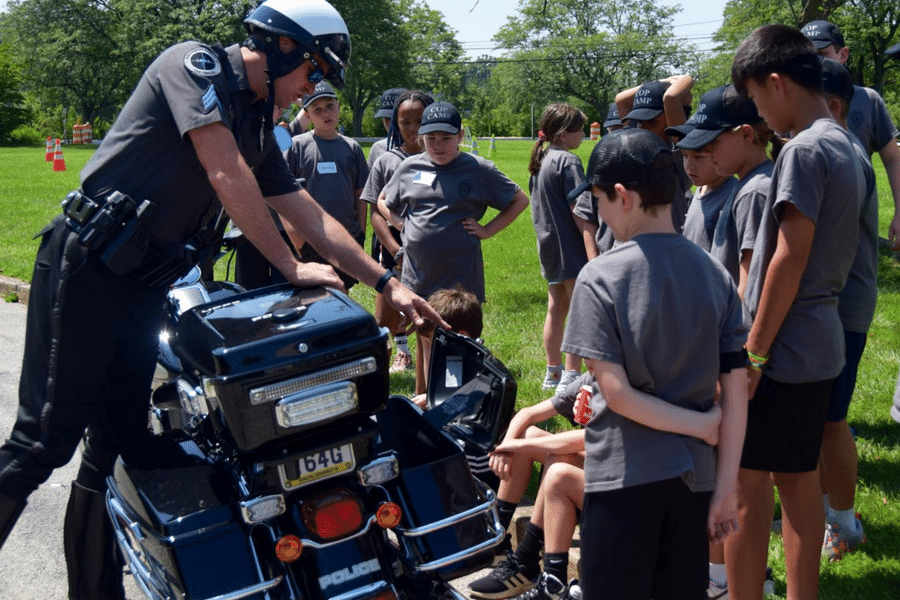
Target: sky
{"type": "Point", "coordinates": [476, 21]}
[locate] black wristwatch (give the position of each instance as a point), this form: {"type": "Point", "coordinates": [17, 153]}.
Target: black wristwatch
{"type": "Point", "coordinates": [382, 281]}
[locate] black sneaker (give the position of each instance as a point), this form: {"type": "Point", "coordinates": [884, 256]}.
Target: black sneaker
{"type": "Point", "coordinates": [549, 587]}
{"type": "Point", "coordinates": [508, 579]}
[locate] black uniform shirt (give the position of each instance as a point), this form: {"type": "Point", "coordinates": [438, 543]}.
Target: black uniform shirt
{"type": "Point", "coordinates": [147, 153]}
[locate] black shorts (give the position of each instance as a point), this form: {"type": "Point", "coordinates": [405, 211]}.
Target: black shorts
{"type": "Point", "coordinates": [384, 258]}
{"type": "Point", "coordinates": [645, 541]}
{"type": "Point", "coordinates": [842, 392]}
{"type": "Point", "coordinates": [784, 426]}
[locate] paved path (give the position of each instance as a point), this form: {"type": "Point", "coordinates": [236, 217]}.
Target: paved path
{"type": "Point", "coordinates": [32, 566]}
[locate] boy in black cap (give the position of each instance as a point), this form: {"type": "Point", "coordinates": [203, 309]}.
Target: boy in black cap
{"type": "Point", "coordinates": [803, 254]}
{"type": "Point", "coordinates": [655, 106]}
{"type": "Point", "coordinates": [868, 118]}
{"type": "Point", "coordinates": [335, 170]}
{"type": "Point", "coordinates": [856, 308]}
{"type": "Point", "coordinates": [654, 488]}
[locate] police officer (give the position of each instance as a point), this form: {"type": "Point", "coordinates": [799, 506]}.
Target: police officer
{"type": "Point", "coordinates": [196, 132]}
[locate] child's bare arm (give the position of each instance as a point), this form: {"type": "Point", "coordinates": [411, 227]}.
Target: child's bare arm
{"type": "Point", "coordinates": [362, 211]}
{"type": "Point", "coordinates": [567, 442]}
{"type": "Point", "coordinates": [795, 236]}
{"type": "Point", "coordinates": [676, 97]}
{"type": "Point", "coordinates": [625, 100]}
{"type": "Point", "coordinates": [723, 508]}
{"type": "Point", "coordinates": [389, 215]}
{"type": "Point", "coordinates": [500, 222]}
{"type": "Point", "coordinates": [382, 231]}
{"type": "Point", "coordinates": [589, 236]}
{"type": "Point", "coordinates": [527, 417]}
{"type": "Point", "coordinates": [649, 410]}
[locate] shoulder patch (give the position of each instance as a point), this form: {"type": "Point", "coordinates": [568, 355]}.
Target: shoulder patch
{"type": "Point", "coordinates": [202, 62]}
{"type": "Point", "coordinates": [210, 99]}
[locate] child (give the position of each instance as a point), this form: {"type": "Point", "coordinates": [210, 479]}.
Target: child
{"type": "Point", "coordinates": [403, 139]}
{"type": "Point", "coordinates": [731, 133]}
{"type": "Point", "coordinates": [441, 195]}
{"type": "Point", "coordinates": [612, 121]}
{"type": "Point", "coordinates": [802, 256]}
{"type": "Point", "coordinates": [856, 308]}
{"type": "Point", "coordinates": [728, 132]}
{"type": "Point", "coordinates": [385, 113]}
{"type": "Point", "coordinates": [555, 172]}
{"type": "Point", "coordinates": [649, 492]}
{"type": "Point", "coordinates": [654, 106]}
{"type": "Point", "coordinates": [335, 170]}
{"type": "Point", "coordinates": [712, 193]}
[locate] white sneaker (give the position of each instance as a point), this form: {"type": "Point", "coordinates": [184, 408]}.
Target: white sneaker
{"type": "Point", "coordinates": [565, 379]}
{"type": "Point", "coordinates": [551, 378]}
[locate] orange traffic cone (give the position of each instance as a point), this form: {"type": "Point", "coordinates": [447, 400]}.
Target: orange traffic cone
{"type": "Point", "coordinates": [48, 156]}
{"type": "Point", "coordinates": [58, 163]}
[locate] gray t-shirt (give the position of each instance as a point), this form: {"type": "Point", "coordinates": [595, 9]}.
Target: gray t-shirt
{"type": "Point", "coordinates": [869, 120]}
{"type": "Point", "coordinates": [560, 246]}
{"type": "Point", "coordinates": [334, 169]}
{"type": "Point", "coordinates": [381, 172]}
{"type": "Point", "coordinates": [434, 200]}
{"type": "Point", "coordinates": [377, 149]}
{"type": "Point", "coordinates": [739, 222]}
{"type": "Point", "coordinates": [586, 208]}
{"type": "Point", "coordinates": [856, 302]}
{"type": "Point", "coordinates": [818, 172]}
{"type": "Point", "coordinates": [564, 403]}
{"type": "Point", "coordinates": [666, 311]}
{"type": "Point", "coordinates": [705, 211]}
{"type": "Point", "coordinates": [147, 153]}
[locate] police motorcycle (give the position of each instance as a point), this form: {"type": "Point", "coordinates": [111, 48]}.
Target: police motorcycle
{"type": "Point", "coordinates": [287, 470]}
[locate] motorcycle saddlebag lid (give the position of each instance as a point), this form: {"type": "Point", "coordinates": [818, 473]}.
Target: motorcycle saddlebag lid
{"type": "Point", "coordinates": [270, 351]}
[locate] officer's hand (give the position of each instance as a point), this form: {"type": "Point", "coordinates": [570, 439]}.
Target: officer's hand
{"type": "Point", "coordinates": [417, 313]}
{"type": "Point", "coordinates": [313, 274]}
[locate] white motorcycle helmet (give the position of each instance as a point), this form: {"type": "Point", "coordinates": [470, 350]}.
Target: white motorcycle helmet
{"type": "Point", "coordinates": [314, 25]}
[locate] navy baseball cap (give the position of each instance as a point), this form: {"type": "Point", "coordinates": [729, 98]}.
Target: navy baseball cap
{"type": "Point", "coordinates": [612, 117]}
{"type": "Point", "coordinates": [628, 156]}
{"type": "Point", "coordinates": [440, 116]}
{"type": "Point", "coordinates": [823, 34]}
{"type": "Point", "coordinates": [894, 51]}
{"type": "Point", "coordinates": [648, 101]}
{"type": "Point", "coordinates": [323, 90]}
{"type": "Point", "coordinates": [680, 131]}
{"type": "Point", "coordinates": [836, 79]}
{"type": "Point", "coordinates": [388, 99]}
{"type": "Point", "coordinates": [720, 109]}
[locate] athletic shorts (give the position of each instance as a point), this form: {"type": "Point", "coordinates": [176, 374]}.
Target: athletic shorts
{"type": "Point", "coordinates": [645, 541]}
{"type": "Point", "coordinates": [382, 256]}
{"type": "Point", "coordinates": [842, 391]}
{"type": "Point", "coordinates": [784, 426]}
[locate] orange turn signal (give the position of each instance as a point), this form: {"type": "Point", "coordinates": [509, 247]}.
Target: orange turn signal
{"type": "Point", "coordinates": [388, 515]}
{"type": "Point", "coordinates": [288, 548]}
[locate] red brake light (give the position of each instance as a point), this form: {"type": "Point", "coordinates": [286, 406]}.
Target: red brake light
{"type": "Point", "coordinates": [333, 515]}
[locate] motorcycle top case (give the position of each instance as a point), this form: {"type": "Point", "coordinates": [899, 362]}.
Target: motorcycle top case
{"type": "Point", "coordinates": [280, 360]}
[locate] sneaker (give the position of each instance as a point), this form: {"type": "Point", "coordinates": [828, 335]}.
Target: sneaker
{"type": "Point", "coordinates": [768, 583]}
{"type": "Point", "coordinates": [565, 379]}
{"type": "Point", "coordinates": [551, 378]}
{"type": "Point", "coordinates": [714, 592]}
{"type": "Point", "coordinates": [402, 362]}
{"type": "Point", "coordinates": [838, 541]}
{"type": "Point", "coordinates": [548, 587]}
{"type": "Point", "coordinates": [508, 579]}
{"type": "Point", "coordinates": [574, 590]}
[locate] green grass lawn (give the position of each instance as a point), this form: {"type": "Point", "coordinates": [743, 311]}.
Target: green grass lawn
{"type": "Point", "coordinates": [30, 193]}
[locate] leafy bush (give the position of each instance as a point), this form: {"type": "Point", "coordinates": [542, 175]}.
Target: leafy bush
{"type": "Point", "coordinates": [26, 135]}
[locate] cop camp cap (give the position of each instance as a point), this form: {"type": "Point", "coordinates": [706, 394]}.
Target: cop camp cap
{"type": "Point", "coordinates": [680, 131]}
{"type": "Point", "coordinates": [648, 101]}
{"type": "Point", "coordinates": [627, 156]}
{"type": "Point", "coordinates": [720, 109]}
{"type": "Point", "coordinates": [388, 99]}
{"type": "Point", "coordinates": [836, 79]}
{"type": "Point", "coordinates": [440, 116]}
{"type": "Point", "coordinates": [612, 117]}
{"type": "Point", "coordinates": [823, 34]}
{"type": "Point", "coordinates": [323, 90]}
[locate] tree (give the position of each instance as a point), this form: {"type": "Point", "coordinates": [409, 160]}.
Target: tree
{"type": "Point", "coordinates": [12, 109]}
{"type": "Point", "coordinates": [588, 50]}
{"type": "Point", "coordinates": [379, 51]}
{"type": "Point", "coordinates": [434, 52]}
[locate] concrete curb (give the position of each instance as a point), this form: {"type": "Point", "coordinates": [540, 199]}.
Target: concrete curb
{"type": "Point", "coordinates": [10, 286]}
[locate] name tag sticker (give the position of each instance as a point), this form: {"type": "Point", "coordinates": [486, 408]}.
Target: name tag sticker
{"type": "Point", "coordinates": [326, 168]}
{"type": "Point", "coordinates": [424, 178]}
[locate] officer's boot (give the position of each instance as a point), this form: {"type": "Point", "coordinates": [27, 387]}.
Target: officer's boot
{"type": "Point", "coordinates": [9, 513]}
{"type": "Point", "coordinates": [92, 556]}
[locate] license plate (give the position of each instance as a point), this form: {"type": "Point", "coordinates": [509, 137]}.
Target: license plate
{"type": "Point", "coordinates": [317, 466]}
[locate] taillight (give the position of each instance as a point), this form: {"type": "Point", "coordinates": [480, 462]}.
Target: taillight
{"type": "Point", "coordinates": [333, 515]}
{"type": "Point", "coordinates": [288, 548]}
{"type": "Point", "coordinates": [388, 595]}
{"type": "Point", "coordinates": [388, 515]}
